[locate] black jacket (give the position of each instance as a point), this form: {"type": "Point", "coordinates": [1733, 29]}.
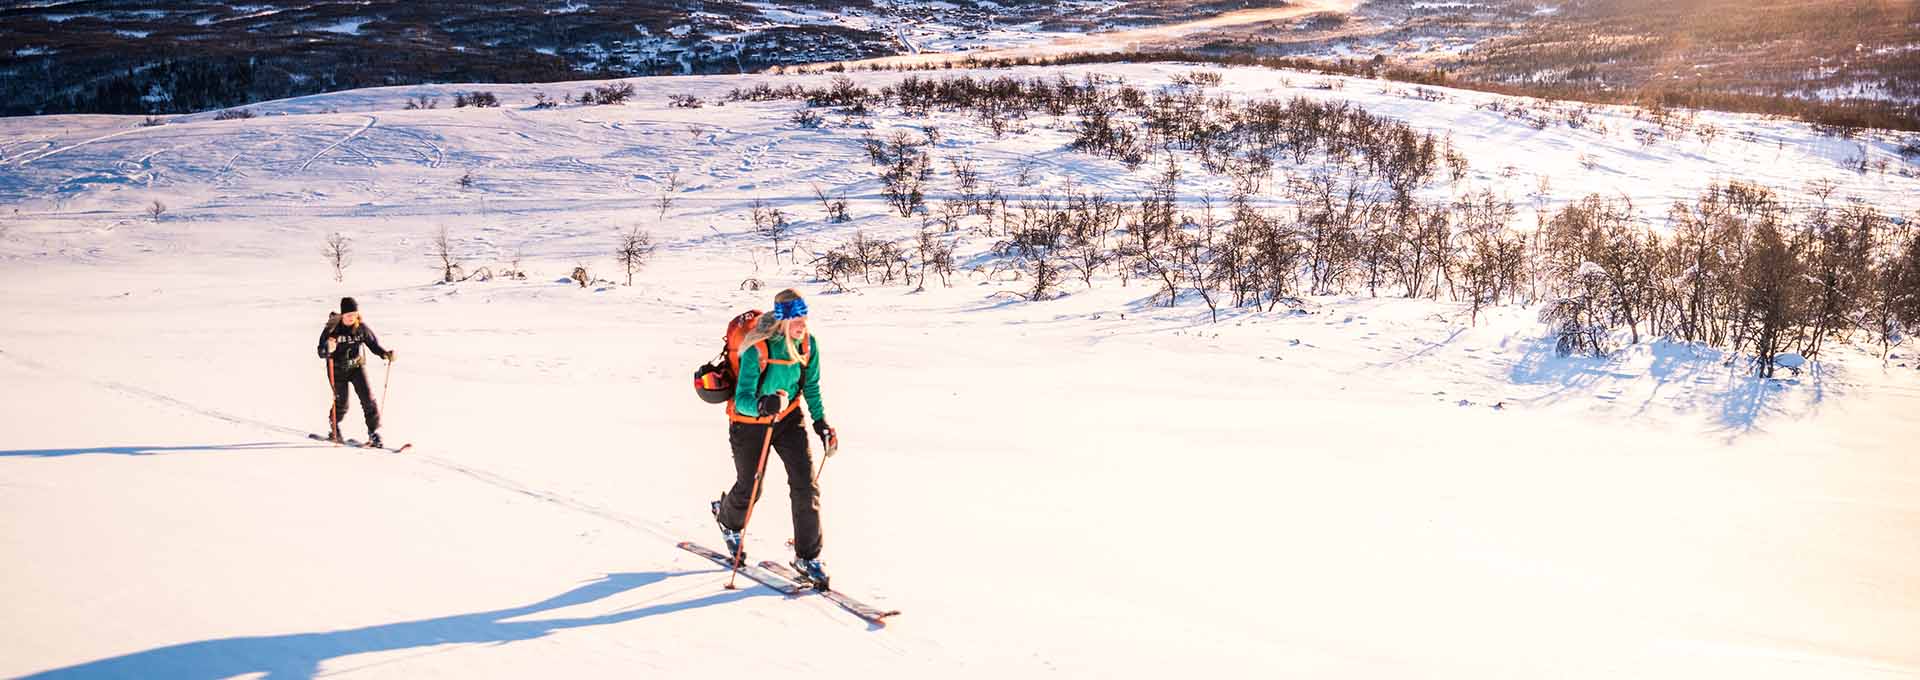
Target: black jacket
{"type": "Point", "coordinates": [347, 341]}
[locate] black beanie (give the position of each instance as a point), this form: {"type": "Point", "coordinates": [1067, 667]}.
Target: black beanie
{"type": "Point", "coordinates": [348, 306]}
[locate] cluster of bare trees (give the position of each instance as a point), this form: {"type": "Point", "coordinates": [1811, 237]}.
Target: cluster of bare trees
{"type": "Point", "coordinates": [617, 93]}
{"type": "Point", "coordinates": [481, 99]}
{"type": "Point", "coordinates": [1736, 268]}
{"type": "Point", "coordinates": [912, 262]}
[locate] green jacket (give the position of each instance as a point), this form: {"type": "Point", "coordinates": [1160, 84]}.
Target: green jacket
{"type": "Point", "coordinates": [783, 373]}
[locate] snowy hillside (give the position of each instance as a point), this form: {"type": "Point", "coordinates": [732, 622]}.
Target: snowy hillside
{"type": "Point", "coordinates": [1088, 486]}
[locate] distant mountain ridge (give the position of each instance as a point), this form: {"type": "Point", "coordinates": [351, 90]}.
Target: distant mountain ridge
{"type": "Point", "coordinates": [155, 57]}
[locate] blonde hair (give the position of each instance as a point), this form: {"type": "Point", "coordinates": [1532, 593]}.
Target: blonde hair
{"type": "Point", "coordinates": [786, 335]}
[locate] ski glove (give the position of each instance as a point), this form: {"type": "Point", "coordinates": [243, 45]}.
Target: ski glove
{"type": "Point", "coordinates": [828, 437]}
{"type": "Point", "coordinates": [389, 356]}
{"type": "Point", "coordinates": [771, 405]}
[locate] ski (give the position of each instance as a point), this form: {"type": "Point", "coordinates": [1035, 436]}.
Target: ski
{"type": "Point", "coordinates": [344, 442]}
{"type": "Point", "coordinates": [786, 587]}
{"type": "Point", "coordinates": [863, 610]}
{"type": "Point", "coordinates": [355, 443]}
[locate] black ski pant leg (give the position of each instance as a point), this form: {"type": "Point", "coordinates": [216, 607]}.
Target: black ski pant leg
{"type": "Point", "coordinates": [790, 440]}
{"type": "Point", "coordinates": [746, 440]}
{"type": "Point", "coordinates": [339, 384]}
{"type": "Point", "coordinates": [367, 407]}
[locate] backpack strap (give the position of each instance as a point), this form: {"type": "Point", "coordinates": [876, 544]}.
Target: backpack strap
{"type": "Point", "coordinates": [789, 361]}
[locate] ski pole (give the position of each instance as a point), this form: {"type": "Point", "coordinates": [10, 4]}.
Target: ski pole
{"type": "Point", "coordinates": [333, 398]}
{"type": "Point", "coordinates": [740, 554]}
{"type": "Point", "coordinates": [828, 449]}
{"type": "Point", "coordinates": [384, 382]}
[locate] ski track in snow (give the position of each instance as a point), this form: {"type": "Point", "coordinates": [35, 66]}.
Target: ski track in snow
{"type": "Point", "coordinates": [64, 149]}
{"type": "Point", "coordinates": [371, 121]}
{"type": "Point", "coordinates": [492, 479]}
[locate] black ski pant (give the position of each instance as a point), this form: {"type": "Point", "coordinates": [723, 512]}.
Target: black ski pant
{"type": "Point", "coordinates": [790, 442]}
{"type": "Point", "coordinates": [344, 375]}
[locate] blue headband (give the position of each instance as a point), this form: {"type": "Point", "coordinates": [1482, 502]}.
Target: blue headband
{"type": "Point", "coordinates": [791, 309]}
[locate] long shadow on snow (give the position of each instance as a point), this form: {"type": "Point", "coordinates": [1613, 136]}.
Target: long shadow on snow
{"type": "Point", "coordinates": [1688, 376]}
{"type": "Point", "coordinates": [155, 450]}
{"type": "Point", "coordinates": [299, 655]}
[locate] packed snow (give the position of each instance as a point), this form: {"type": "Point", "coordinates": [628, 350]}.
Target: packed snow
{"type": "Point", "coordinates": [1089, 486]}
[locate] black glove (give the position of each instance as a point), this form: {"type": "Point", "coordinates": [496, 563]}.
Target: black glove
{"type": "Point", "coordinates": [828, 437]}
{"type": "Point", "coordinates": [771, 405]}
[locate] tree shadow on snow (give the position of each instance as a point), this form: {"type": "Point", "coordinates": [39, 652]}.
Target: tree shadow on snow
{"type": "Point", "coordinates": [1683, 376]}
{"type": "Point", "coordinates": [156, 450]}
{"type": "Point", "coordinates": [299, 655]}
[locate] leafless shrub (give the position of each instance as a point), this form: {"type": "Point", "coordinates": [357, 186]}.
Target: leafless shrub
{"type": "Point", "coordinates": [233, 114]}
{"type": "Point", "coordinates": [770, 222]}
{"type": "Point", "coordinates": [1456, 164]}
{"type": "Point", "coordinates": [684, 101]}
{"type": "Point", "coordinates": [837, 267]}
{"type": "Point", "coordinates": [936, 256]}
{"type": "Point", "coordinates": [906, 172]}
{"type": "Point", "coordinates": [636, 247]}
{"type": "Point", "coordinates": [1023, 174]}
{"type": "Point", "coordinates": [339, 254]}
{"type": "Point", "coordinates": [1708, 132]}
{"type": "Point", "coordinates": [836, 207]}
{"type": "Point", "coordinates": [1822, 188]}
{"type": "Point", "coordinates": [441, 248]}
{"type": "Point", "coordinates": [669, 191]}
{"type": "Point", "coordinates": [155, 210]}
{"type": "Point", "coordinates": [513, 270]}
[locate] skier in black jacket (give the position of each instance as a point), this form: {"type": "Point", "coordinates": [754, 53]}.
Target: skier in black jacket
{"type": "Point", "coordinates": [340, 342]}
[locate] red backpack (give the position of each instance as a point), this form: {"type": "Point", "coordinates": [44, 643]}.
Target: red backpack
{"type": "Point", "coordinates": [714, 381]}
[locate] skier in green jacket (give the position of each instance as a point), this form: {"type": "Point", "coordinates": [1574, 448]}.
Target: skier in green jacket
{"type": "Point", "coordinates": [779, 359]}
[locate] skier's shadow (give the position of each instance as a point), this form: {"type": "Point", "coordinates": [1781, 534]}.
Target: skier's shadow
{"type": "Point", "coordinates": [299, 655]}
{"type": "Point", "coordinates": [156, 450]}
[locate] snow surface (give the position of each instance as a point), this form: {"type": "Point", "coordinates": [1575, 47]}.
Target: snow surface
{"type": "Point", "coordinates": [350, 26]}
{"type": "Point", "coordinates": [1082, 487]}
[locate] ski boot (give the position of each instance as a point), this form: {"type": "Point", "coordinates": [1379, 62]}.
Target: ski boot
{"type": "Point", "coordinates": [813, 571]}
{"type": "Point", "coordinates": [373, 440]}
{"type": "Point", "coordinates": [734, 546]}
{"type": "Point", "coordinates": [333, 435]}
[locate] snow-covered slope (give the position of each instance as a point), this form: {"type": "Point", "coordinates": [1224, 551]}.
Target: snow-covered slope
{"type": "Point", "coordinates": [1083, 487]}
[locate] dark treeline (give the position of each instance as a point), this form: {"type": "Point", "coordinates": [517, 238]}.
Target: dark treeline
{"type": "Point", "coordinates": [1737, 267]}
{"type": "Point", "coordinates": [1850, 114]}
{"type": "Point", "coordinates": [185, 83]}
